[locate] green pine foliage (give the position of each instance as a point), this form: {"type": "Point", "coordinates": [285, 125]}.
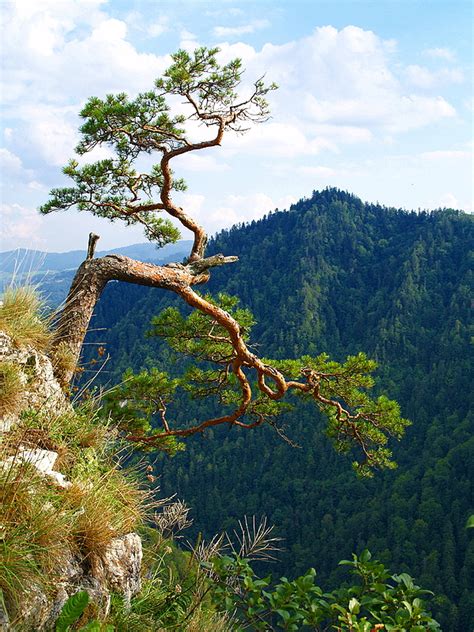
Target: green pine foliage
{"type": "Point", "coordinates": [131, 129]}
{"type": "Point", "coordinates": [339, 390]}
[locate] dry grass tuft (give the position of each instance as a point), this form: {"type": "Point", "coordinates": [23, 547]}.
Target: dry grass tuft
{"type": "Point", "coordinates": [64, 359]}
{"type": "Point", "coordinates": [106, 505]}
{"type": "Point", "coordinates": [10, 389]}
{"type": "Point", "coordinates": [22, 318]}
{"type": "Point", "coordinates": [34, 536]}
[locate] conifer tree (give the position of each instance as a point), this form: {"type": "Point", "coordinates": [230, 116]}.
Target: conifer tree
{"type": "Point", "coordinates": [250, 389]}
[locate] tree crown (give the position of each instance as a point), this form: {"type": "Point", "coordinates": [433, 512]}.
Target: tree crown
{"type": "Point", "coordinates": [115, 188]}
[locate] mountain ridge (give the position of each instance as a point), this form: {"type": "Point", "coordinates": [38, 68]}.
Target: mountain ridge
{"type": "Point", "coordinates": [40, 261]}
{"type": "Point", "coordinates": [336, 275]}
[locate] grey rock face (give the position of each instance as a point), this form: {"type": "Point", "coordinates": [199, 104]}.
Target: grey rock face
{"type": "Point", "coordinates": [120, 564]}
{"type": "Point", "coordinates": [41, 390]}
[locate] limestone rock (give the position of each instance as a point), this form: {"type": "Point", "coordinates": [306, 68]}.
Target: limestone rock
{"type": "Point", "coordinates": [120, 564]}
{"type": "Point", "coordinates": [41, 390]}
{"type": "Point", "coordinates": [117, 568]}
{"type": "Point", "coordinates": [43, 461]}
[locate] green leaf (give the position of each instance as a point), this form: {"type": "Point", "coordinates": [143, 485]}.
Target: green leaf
{"type": "Point", "coordinates": [365, 556]}
{"type": "Point", "coordinates": [354, 606]}
{"type": "Point", "coordinates": [72, 610]}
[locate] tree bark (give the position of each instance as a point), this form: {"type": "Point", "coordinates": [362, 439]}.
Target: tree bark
{"type": "Point", "coordinates": [91, 278]}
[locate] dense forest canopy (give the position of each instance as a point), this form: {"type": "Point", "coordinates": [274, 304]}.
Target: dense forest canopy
{"type": "Point", "coordinates": [338, 275]}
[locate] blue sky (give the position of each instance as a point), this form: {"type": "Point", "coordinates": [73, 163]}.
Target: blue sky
{"type": "Point", "coordinates": [374, 97]}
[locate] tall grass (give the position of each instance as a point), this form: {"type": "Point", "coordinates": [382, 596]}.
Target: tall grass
{"type": "Point", "coordinates": [23, 318]}
{"type": "Point", "coordinates": [34, 538]}
{"type": "Point", "coordinates": [43, 525]}
{"type": "Point", "coordinates": [10, 388]}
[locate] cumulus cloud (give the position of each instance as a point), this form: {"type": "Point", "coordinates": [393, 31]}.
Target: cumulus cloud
{"type": "Point", "coordinates": [282, 140]}
{"type": "Point", "coordinates": [37, 186]}
{"type": "Point", "coordinates": [9, 162]}
{"type": "Point", "coordinates": [68, 52]}
{"type": "Point", "coordinates": [424, 78]}
{"type": "Point", "coordinates": [440, 53]}
{"type": "Point", "coordinates": [351, 91]}
{"type": "Point", "coordinates": [221, 32]}
{"type": "Point", "coordinates": [157, 28]}
{"type": "Point", "coordinates": [49, 130]}
{"type": "Point", "coordinates": [348, 93]}
{"type": "Point", "coordinates": [233, 209]}
{"type": "Point", "coordinates": [21, 225]}
{"type": "Point", "coordinates": [245, 208]}
{"type": "Point", "coordinates": [188, 41]}
{"type": "Point", "coordinates": [198, 162]}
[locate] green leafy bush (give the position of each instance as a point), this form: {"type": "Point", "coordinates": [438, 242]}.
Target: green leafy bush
{"type": "Point", "coordinates": [377, 600]}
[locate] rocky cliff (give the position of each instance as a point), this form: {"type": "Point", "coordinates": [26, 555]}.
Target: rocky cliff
{"type": "Point", "coordinates": [50, 510]}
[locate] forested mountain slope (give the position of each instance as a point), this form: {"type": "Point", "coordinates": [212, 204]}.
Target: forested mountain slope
{"type": "Point", "coordinates": [334, 274]}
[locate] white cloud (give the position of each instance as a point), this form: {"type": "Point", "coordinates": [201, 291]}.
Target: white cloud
{"type": "Point", "coordinates": [446, 154]}
{"type": "Point", "coordinates": [222, 32]}
{"type": "Point", "coordinates": [198, 162]}
{"type": "Point", "coordinates": [68, 54]}
{"type": "Point", "coordinates": [158, 28]}
{"type": "Point", "coordinates": [440, 53]}
{"type": "Point", "coordinates": [348, 93]}
{"type": "Point", "coordinates": [192, 203]}
{"type": "Point", "coordinates": [242, 208]}
{"type": "Point", "coordinates": [424, 78]}
{"type": "Point", "coordinates": [21, 225]}
{"type": "Point", "coordinates": [233, 209]}
{"type": "Point", "coordinates": [188, 41]}
{"type": "Point", "coordinates": [318, 172]}
{"type": "Point", "coordinates": [37, 186]}
{"type": "Point", "coordinates": [282, 140]}
{"type": "Point", "coordinates": [9, 162]}
{"type": "Point", "coordinates": [451, 200]}
{"type": "Point", "coordinates": [51, 131]}
{"type": "Point", "coordinates": [391, 113]}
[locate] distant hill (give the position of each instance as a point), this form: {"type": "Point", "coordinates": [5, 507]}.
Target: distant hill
{"type": "Point", "coordinates": [53, 271]}
{"type": "Point", "coordinates": [334, 274]}
{"type": "Point", "coordinates": [24, 261]}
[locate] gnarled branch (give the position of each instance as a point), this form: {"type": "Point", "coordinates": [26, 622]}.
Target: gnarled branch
{"type": "Point", "coordinates": [90, 280]}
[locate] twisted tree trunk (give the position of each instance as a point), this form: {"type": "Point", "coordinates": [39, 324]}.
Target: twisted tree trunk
{"type": "Point", "coordinates": [90, 280]}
